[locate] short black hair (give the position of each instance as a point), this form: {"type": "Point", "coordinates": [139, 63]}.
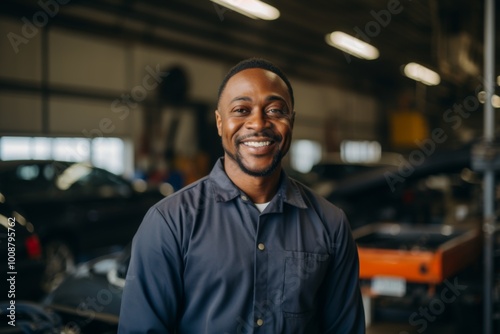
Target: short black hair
{"type": "Point", "coordinates": [255, 63]}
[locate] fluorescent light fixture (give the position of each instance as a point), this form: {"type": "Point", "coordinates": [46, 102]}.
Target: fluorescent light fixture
{"type": "Point", "coordinates": [421, 73]}
{"type": "Point", "coordinates": [352, 45]}
{"type": "Point", "coordinates": [495, 99]}
{"type": "Point", "coordinates": [254, 9]}
{"type": "Point", "coordinates": [481, 96]}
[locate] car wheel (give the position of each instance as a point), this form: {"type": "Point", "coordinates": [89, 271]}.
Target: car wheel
{"type": "Point", "coordinates": [59, 261]}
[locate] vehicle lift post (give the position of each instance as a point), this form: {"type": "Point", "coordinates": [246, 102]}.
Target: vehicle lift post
{"type": "Point", "coordinates": [486, 158]}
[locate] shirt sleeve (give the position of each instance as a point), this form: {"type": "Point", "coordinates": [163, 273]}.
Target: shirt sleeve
{"type": "Point", "coordinates": [153, 286]}
{"type": "Point", "coordinates": [344, 311]}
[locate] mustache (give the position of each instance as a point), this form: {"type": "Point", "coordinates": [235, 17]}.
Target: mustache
{"type": "Point", "coordinates": [265, 133]}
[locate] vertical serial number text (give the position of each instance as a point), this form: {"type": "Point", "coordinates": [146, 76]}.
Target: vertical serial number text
{"type": "Point", "coordinates": [11, 271]}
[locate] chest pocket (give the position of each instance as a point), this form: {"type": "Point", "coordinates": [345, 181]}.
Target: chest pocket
{"type": "Point", "coordinates": [304, 274]}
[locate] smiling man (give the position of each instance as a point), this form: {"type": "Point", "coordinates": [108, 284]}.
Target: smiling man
{"type": "Point", "coordinates": [245, 249]}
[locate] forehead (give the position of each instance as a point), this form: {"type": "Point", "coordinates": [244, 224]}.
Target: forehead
{"type": "Point", "coordinates": [254, 80]}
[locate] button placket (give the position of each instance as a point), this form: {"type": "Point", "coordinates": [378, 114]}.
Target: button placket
{"type": "Point", "coordinates": [261, 274]}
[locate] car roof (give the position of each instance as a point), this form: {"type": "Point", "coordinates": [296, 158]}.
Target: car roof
{"type": "Point", "coordinates": [9, 164]}
{"type": "Point", "coordinates": [439, 162]}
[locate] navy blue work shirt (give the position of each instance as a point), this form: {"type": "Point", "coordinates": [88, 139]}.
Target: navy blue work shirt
{"type": "Point", "coordinates": [206, 261]}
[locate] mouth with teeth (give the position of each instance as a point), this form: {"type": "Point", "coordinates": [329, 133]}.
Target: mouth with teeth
{"type": "Point", "coordinates": [257, 143]}
{"type": "Point", "coordinates": [259, 146]}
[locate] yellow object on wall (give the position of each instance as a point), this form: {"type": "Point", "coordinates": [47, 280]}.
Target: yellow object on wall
{"type": "Point", "coordinates": [407, 128]}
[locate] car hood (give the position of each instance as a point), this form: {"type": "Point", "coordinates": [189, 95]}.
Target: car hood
{"type": "Point", "coordinates": [93, 291]}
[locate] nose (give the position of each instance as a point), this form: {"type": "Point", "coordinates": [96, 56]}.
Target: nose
{"type": "Point", "coordinates": [257, 120]}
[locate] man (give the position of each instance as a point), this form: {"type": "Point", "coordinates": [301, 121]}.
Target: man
{"type": "Point", "coordinates": [245, 249]}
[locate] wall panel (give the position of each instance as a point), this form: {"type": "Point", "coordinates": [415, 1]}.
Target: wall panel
{"type": "Point", "coordinates": [87, 62]}
{"type": "Point", "coordinates": [20, 113]}
{"type": "Point", "coordinates": [20, 56]}
{"type": "Point", "coordinates": [86, 118]}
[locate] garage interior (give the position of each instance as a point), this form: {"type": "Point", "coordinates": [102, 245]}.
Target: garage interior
{"type": "Point", "coordinates": [131, 87]}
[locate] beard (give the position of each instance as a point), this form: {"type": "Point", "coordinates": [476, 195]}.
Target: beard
{"type": "Point", "coordinates": [255, 172]}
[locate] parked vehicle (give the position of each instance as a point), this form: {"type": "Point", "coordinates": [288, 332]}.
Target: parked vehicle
{"type": "Point", "coordinates": [88, 300]}
{"type": "Point", "coordinates": [442, 188]}
{"type": "Point", "coordinates": [20, 256]}
{"type": "Point", "coordinates": [79, 211]}
{"type": "Point", "coordinates": [325, 175]}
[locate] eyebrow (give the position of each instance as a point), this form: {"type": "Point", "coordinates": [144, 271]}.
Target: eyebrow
{"type": "Point", "coordinates": [269, 98]}
{"type": "Point", "coordinates": [241, 98]}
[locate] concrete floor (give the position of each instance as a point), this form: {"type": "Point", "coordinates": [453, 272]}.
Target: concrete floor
{"type": "Point", "coordinates": [400, 318]}
{"type": "Point", "coordinates": [405, 328]}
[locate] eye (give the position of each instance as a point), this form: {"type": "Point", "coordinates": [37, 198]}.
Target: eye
{"type": "Point", "coordinates": [275, 110]}
{"type": "Point", "coordinates": [239, 110]}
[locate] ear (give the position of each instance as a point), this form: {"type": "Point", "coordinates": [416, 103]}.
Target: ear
{"type": "Point", "coordinates": [292, 119]}
{"type": "Point", "coordinates": [218, 121]}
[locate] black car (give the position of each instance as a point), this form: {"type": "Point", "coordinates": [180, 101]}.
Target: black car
{"type": "Point", "coordinates": [79, 211]}
{"type": "Point", "coordinates": [331, 170]}
{"type": "Point", "coordinates": [89, 299]}
{"type": "Point", "coordinates": [20, 256]}
{"type": "Point", "coordinates": [440, 189]}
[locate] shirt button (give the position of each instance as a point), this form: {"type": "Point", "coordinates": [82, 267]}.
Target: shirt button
{"type": "Point", "coordinates": [243, 197]}
{"type": "Point", "coordinates": [261, 246]}
{"type": "Point", "coordinates": [260, 322]}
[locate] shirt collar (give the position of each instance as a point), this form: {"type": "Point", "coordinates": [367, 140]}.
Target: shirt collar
{"type": "Point", "coordinates": [225, 190]}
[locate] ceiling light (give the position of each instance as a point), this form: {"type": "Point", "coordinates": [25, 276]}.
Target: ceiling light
{"type": "Point", "coordinates": [421, 73]}
{"type": "Point", "coordinates": [254, 9]}
{"type": "Point", "coordinates": [481, 96]}
{"type": "Point", "coordinates": [352, 45]}
{"type": "Point", "coordinates": [495, 99]}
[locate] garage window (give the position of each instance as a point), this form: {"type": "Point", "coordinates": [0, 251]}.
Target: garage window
{"type": "Point", "coordinates": [304, 154]}
{"type": "Point", "coordinates": [107, 153]}
{"type": "Point", "coordinates": [360, 151]}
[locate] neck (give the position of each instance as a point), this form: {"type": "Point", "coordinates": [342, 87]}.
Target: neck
{"type": "Point", "coordinates": [260, 189]}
